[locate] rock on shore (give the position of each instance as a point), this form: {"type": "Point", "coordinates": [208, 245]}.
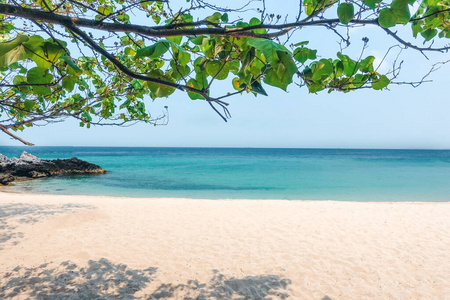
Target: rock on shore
{"type": "Point", "coordinates": [28, 166]}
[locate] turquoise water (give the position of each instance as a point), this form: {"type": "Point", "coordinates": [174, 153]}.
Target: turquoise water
{"type": "Point", "coordinates": [309, 174]}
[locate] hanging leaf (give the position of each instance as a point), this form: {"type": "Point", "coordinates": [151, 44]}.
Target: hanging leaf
{"type": "Point", "coordinates": [38, 75]}
{"type": "Point", "coordinates": [194, 84]}
{"type": "Point", "coordinates": [214, 18]}
{"type": "Point", "coordinates": [153, 51]}
{"type": "Point", "coordinates": [429, 34]}
{"type": "Point", "coordinates": [159, 90]}
{"type": "Point", "coordinates": [69, 82]}
{"type": "Point", "coordinates": [157, 49]}
{"type": "Point", "coordinates": [5, 47]}
{"type": "Point", "coordinates": [12, 51]}
{"type": "Point", "coordinates": [268, 48]}
{"type": "Point", "coordinates": [218, 69]}
{"type": "Point", "coordinates": [349, 64]}
{"type": "Point", "coordinates": [280, 74]}
{"type": "Point", "coordinates": [72, 68]}
{"type": "Point", "coordinates": [224, 17]}
{"type": "Point", "coordinates": [387, 18]}
{"type": "Point", "coordinates": [401, 10]}
{"type": "Point", "coordinates": [19, 79]}
{"type": "Point", "coordinates": [380, 83]}
{"type": "Point", "coordinates": [46, 54]}
{"type": "Point", "coordinates": [156, 19]}
{"type": "Point", "coordinates": [16, 54]}
{"type": "Point", "coordinates": [366, 65]}
{"type": "Point", "coordinates": [346, 12]}
{"type": "Point", "coordinates": [371, 3]}
{"type": "Point", "coordinates": [303, 54]}
{"type": "Point", "coordinates": [257, 87]}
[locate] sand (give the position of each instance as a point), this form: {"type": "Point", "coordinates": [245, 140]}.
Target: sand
{"type": "Point", "coordinates": [81, 247]}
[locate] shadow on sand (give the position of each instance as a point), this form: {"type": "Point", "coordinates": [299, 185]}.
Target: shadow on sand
{"type": "Point", "coordinates": [105, 280]}
{"type": "Point", "coordinates": [12, 215]}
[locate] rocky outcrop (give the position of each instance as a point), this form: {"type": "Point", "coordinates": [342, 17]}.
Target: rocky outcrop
{"type": "Point", "coordinates": [28, 166]}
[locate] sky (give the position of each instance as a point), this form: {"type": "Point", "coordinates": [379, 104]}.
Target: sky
{"type": "Point", "coordinates": [401, 117]}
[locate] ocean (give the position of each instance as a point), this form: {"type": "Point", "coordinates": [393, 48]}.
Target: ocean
{"type": "Point", "coordinates": [250, 173]}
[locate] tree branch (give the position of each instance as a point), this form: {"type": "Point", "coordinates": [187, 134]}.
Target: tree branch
{"type": "Point", "coordinates": [175, 30]}
{"type": "Point", "coordinates": [409, 45]}
{"type": "Point", "coordinates": [124, 69]}
{"type": "Point", "coordinates": [15, 136]}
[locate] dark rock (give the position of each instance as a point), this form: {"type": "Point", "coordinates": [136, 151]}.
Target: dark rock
{"type": "Point", "coordinates": [28, 166]}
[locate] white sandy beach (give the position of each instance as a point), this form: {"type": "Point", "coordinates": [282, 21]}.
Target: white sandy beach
{"type": "Point", "coordinates": [72, 247]}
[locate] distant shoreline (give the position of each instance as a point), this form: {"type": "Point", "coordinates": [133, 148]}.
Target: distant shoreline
{"type": "Point", "coordinates": [219, 147]}
{"type": "Point", "coordinates": [4, 189]}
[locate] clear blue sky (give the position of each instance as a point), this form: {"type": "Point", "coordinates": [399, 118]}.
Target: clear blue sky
{"type": "Point", "coordinates": [402, 117]}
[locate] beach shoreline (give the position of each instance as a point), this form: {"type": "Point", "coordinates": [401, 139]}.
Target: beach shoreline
{"type": "Point", "coordinates": [173, 248]}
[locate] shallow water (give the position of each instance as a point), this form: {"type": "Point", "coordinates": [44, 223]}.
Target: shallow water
{"type": "Point", "coordinates": [309, 174]}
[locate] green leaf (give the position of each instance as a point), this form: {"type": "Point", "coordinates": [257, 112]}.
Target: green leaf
{"type": "Point", "coordinates": [380, 83]}
{"type": "Point", "coordinates": [304, 43]}
{"type": "Point", "coordinates": [366, 65]}
{"type": "Point", "coordinates": [349, 64]}
{"type": "Point", "coordinates": [371, 3]}
{"type": "Point", "coordinates": [159, 90]}
{"type": "Point", "coordinates": [346, 12]}
{"type": "Point", "coordinates": [183, 58]}
{"type": "Point", "coordinates": [255, 22]}
{"type": "Point", "coordinates": [12, 51]}
{"type": "Point", "coordinates": [224, 17]}
{"type": "Point", "coordinates": [213, 68]}
{"type": "Point", "coordinates": [387, 18]}
{"type": "Point", "coordinates": [29, 104]}
{"type": "Point", "coordinates": [156, 19]}
{"type": "Point", "coordinates": [126, 103]}
{"type": "Point", "coordinates": [175, 39]}
{"type": "Point", "coordinates": [214, 18]}
{"type": "Point", "coordinates": [68, 82]}
{"type": "Point", "coordinates": [194, 84]}
{"type": "Point", "coordinates": [33, 43]}
{"type": "Point", "coordinates": [321, 70]}
{"type": "Point", "coordinates": [401, 10]}
{"type": "Point", "coordinates": [429, 34]}
{"type": "Point", "coordinates": [303, 54]}
{"type": "Point", "coordinates": [158, 49]}
{"type": "Point", "coordinates": [417, 28]}
{"type": "Point", "coordinates": [46, 54]}
{"type": "Point", "coordinates": [269, 48]}
{"type": "Point", "coordinates": [86, 116]}
{"type": "Point", "coordinates": [12, 56]}
{"type": "Point", "coordinates": [274, 77]}
{"type": "Point", "coordinates": [360, 80]}
{"type": "Point", "coordinates": [257, 87]}
{"type": "Point", "coordinates": [153, 51]}
{"type": "Point", "coordinates": [105, 10]}
{"type": "Point", "coordinates": [5, 47]}
{"type": "Point", "coordinates": [39, 76]}
{"type": "Point", "coordinates": [315, 87]}
{"type": "Point", "coordinates": [72, 68]}
{"type": "Point", "coordinates": [338, 68]}
{"type": "Point", "coordinates": [19, 79]}
{"type": "Point", "coordinates": [198, 40]}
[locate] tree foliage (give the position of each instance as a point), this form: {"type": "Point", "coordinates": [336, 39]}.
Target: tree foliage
{"type": "Point", "coordinates": [97, 62]}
